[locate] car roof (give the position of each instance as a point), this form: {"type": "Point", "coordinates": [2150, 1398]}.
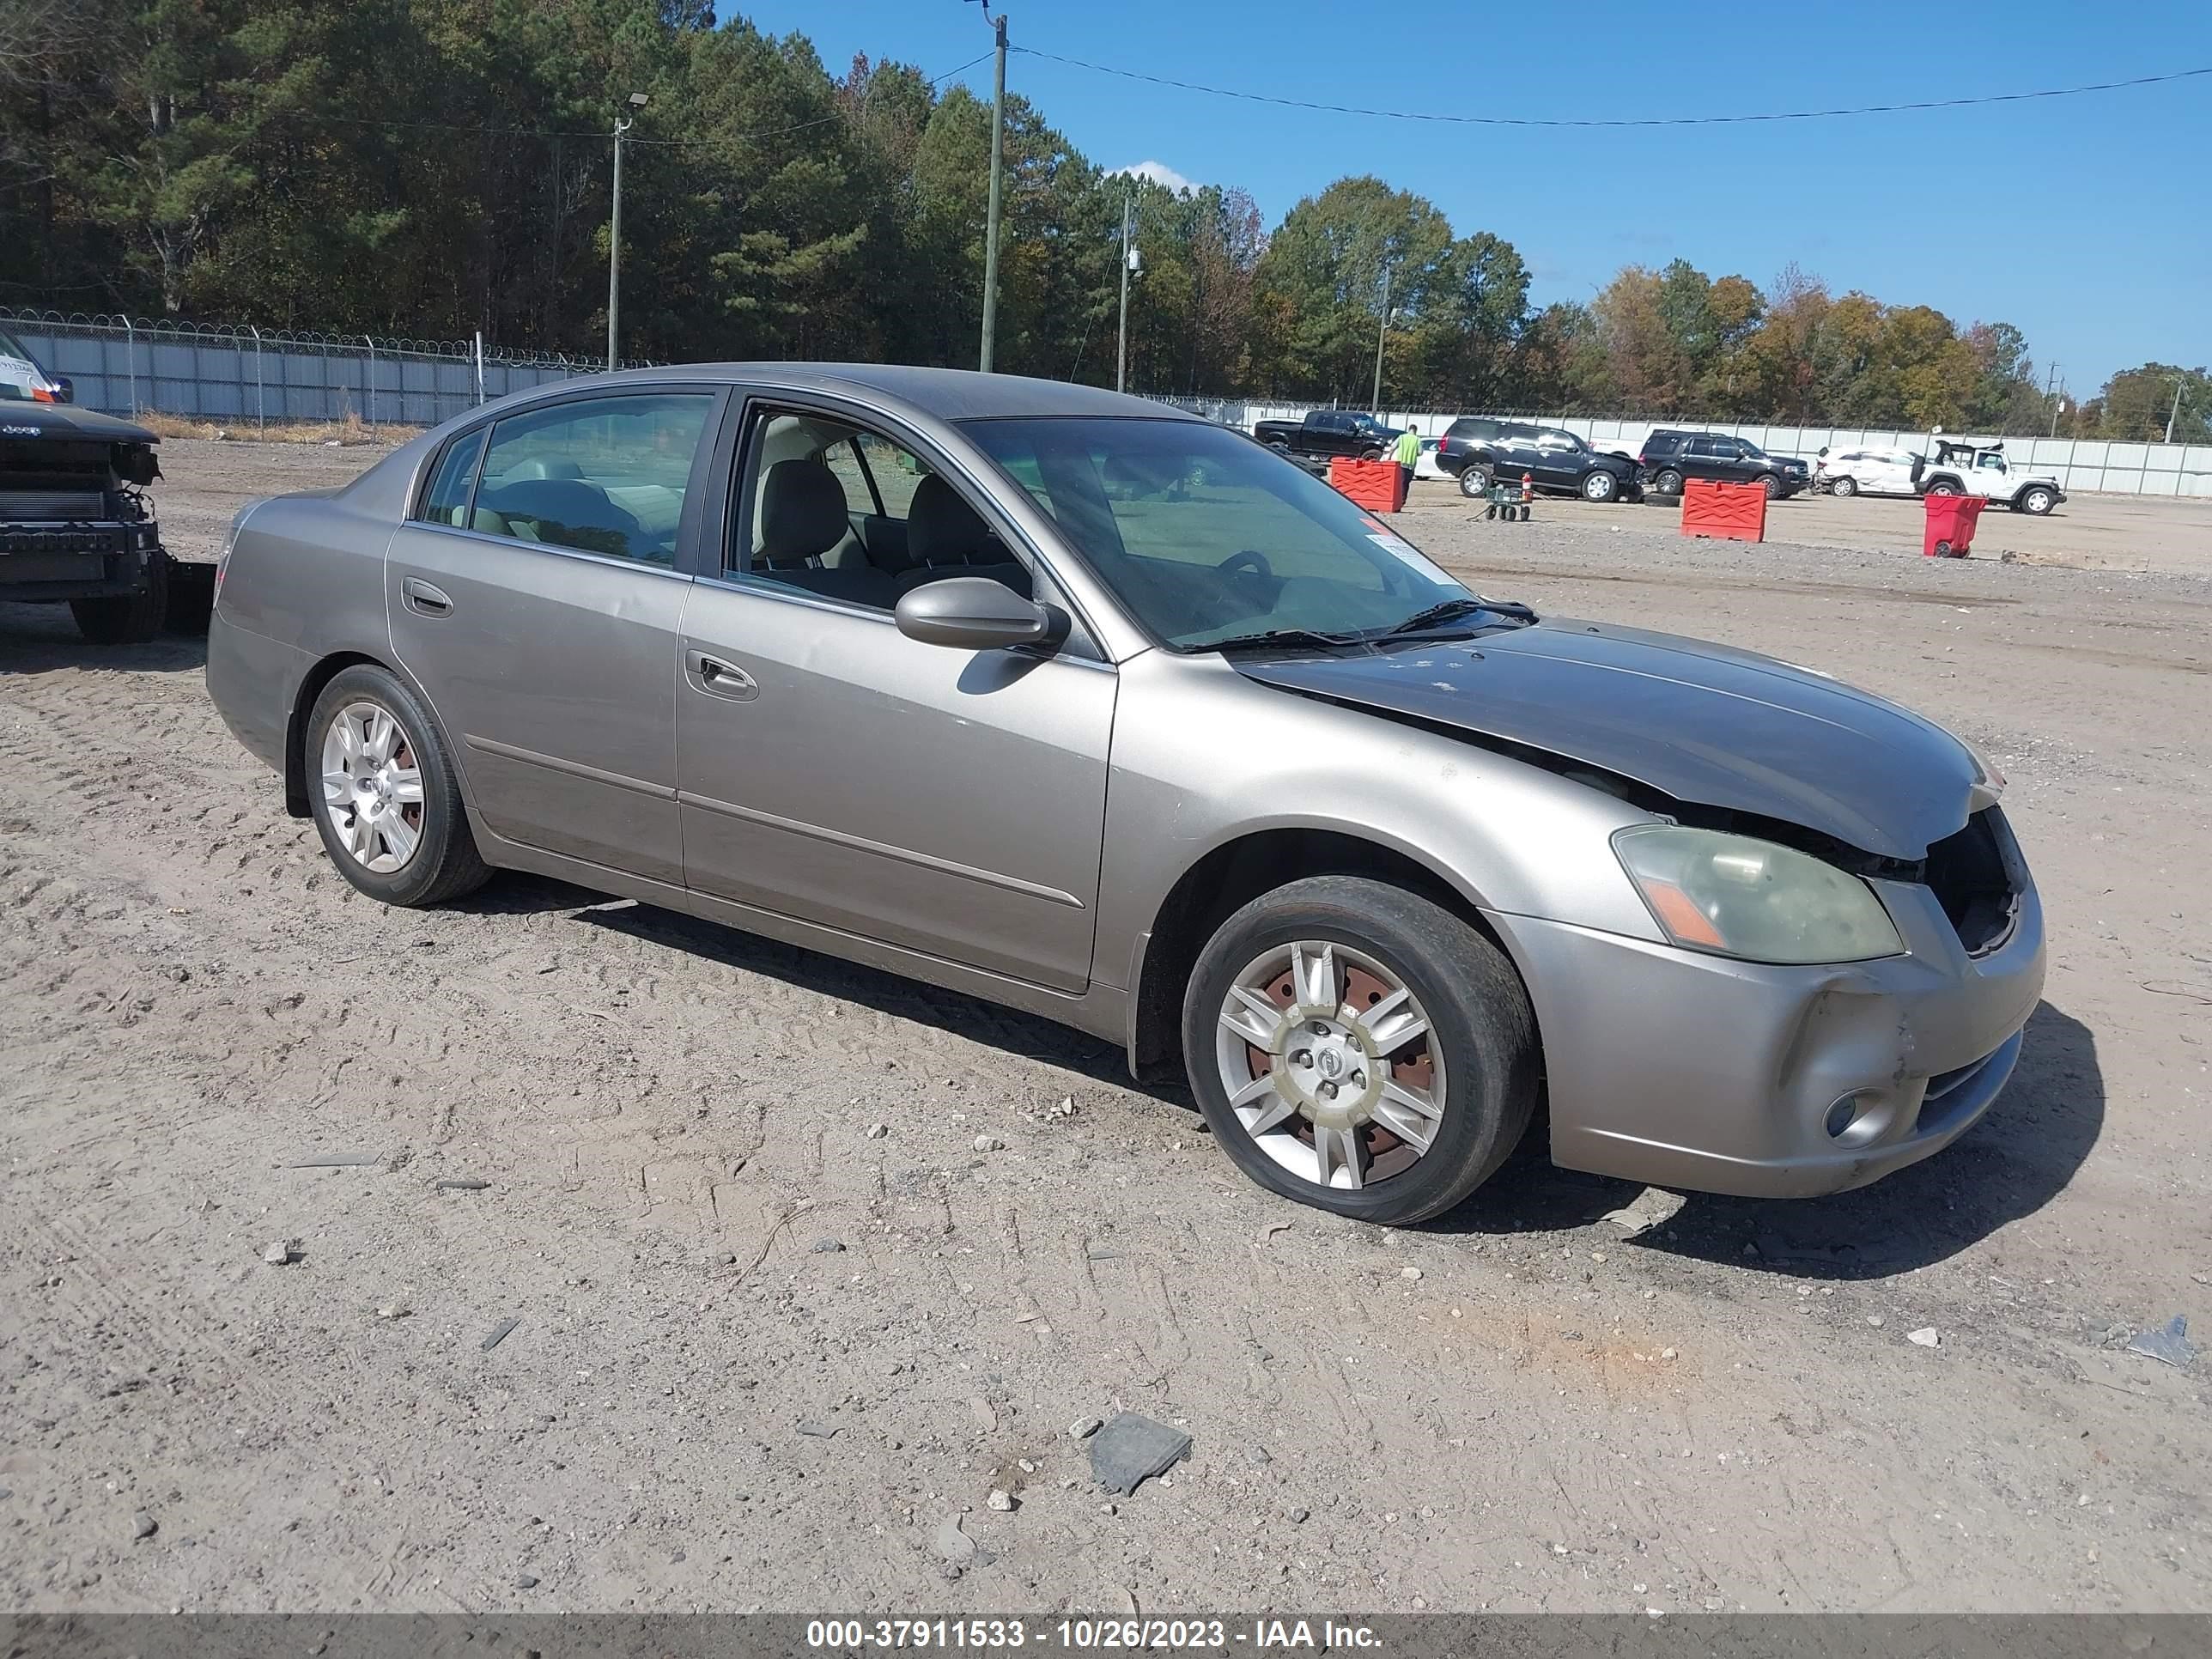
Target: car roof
{"type": "Point", "coordinates": [950, 394]}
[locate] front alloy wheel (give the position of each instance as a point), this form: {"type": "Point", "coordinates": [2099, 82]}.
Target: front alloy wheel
{"type": "Point", "coordinates": [1360, 1047]}
{"type": "Point", "coordinates": [1845, 486]}
{"type": "Point", "coordinates": [2038, 501]}
{"type": "Point", "coordinates": [1600, 486]}
{"type": "Point", "coordinates": [1330, 1064]}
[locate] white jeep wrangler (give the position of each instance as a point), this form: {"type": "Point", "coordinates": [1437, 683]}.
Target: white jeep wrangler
{"type": "Point", "coordinates": [1965, 469]}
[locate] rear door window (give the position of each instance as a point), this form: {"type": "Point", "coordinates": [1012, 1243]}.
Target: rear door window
{"type": "Point", "coordinates": [604, 475]}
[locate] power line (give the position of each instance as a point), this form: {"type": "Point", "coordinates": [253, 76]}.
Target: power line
{"type": "Point", "coordinates": [1643, 121]}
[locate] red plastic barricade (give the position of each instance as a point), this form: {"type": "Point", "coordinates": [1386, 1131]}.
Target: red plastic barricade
{"type": "Point", "coordinates": [1736, 512]}
{"type": "Point", "coordinates": [1951, 521]}
{"type": "Point", "coordinates": [1378, 486]}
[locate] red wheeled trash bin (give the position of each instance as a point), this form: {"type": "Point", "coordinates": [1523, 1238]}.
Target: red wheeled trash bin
{"type": "Point", "coordinates": [1951, 520]}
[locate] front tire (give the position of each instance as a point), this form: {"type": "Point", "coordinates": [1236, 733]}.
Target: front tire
{"type": "Point", "coordinates": [1843, 487]}
{"type": "Point", "coordinates": [127, 618]}
{"type": "Point", "coordinates": [1600, 486]}
{"type": "Point", "coordinates": [1361, 1048]}
{"type": "Point", "coordinates": [385, 793]}
{"type": "Point", "coordinates": [1770, 484]}
{"type": "Point", "coordinates": [2038, 501]}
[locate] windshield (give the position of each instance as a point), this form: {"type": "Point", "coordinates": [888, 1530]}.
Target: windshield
{"type": "Point", "coordinates": [1206, 537]}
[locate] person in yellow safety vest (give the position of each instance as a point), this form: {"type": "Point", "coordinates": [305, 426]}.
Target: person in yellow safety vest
{"type": "Point", "coordinates": [1407, 454]}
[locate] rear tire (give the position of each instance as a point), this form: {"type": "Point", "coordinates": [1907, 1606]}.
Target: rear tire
{"type": "Point", "coordinates": [127, 618]}
{"type": "Point", "coordinates": [1474, 479]}
{"type": "Point", "coordinates": [1944, 487]}
{"type": "Point", "coordinates": [1668, 481]}
{"type": "Point", "coordinates": [1478, 1048]}
{"type": "Point", "coordinates": [441, 862]}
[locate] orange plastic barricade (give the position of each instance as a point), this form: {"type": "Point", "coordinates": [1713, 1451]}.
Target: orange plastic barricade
{"type": "Point", "coordinates": [1378, 486]}
{"type": "Point", "coordinates": [1951, 521]}
{"type": "Point", "coordinates": [1734, 513]}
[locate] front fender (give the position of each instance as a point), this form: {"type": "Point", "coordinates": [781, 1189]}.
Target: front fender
{"type": "Point", "coordinates": [1203, 756]}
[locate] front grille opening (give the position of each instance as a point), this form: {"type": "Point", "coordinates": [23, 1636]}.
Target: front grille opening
{"type": "Point", "coordinates": [1966, 872]}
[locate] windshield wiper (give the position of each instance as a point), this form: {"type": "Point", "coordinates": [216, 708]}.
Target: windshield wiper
{"type": "Point", "coordinates": [1450, 609]}
{"type": "Point", "coordinates": [1282, 636]}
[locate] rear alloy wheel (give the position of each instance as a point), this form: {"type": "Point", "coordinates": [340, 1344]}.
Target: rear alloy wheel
{"type": "Point", "coordinates": [384, 795]}
{"type": "Point", "coordinates": [1668, 483]}
{"type": "Point", "coordinates": [1474, 479]}
{"type": "Point", "coordinates": [1600, 486]}
{"type": "Point", "coordinates": [127, 618]}
{"type": "Point", "coordinates": [1361, 1048]}
{"type": "Point", "coordinates": [1944, 487]}
{"type": "Point", "coordinates": [2037, 501]}
{"type": "Point", "coordinates": [1843, 487]}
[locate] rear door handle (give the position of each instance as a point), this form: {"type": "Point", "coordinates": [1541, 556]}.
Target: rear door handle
{"type": "Point", "coordinates": [420, 597]}
{"type": "Point", "coordinates": [721, 679]}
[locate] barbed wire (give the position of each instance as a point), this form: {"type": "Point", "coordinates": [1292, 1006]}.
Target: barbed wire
{"type": "Point", "coordinates": [184, 331]}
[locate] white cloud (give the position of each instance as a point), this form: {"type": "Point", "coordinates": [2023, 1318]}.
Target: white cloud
{"type": "Point", "coordinates": [1160, 173]}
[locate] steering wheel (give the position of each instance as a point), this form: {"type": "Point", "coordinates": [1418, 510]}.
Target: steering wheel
{"type": "Point", "coordinates": [1247, 560]}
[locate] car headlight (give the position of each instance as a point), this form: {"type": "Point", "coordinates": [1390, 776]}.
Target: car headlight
{"type": "Point", "coordinates": [1735, 895]}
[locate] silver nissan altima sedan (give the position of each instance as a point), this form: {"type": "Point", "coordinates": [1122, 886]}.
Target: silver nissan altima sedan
{"type": "Point", "coordinates": [1077, 703]}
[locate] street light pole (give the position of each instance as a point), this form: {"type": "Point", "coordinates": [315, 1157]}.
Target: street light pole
{"type": "Point", "coordinates": [1128, 262]}
{"type": "Point", "coordinates": [2049, 381]}
{"type": "Point", "coordinates": [614, 240]}
{"type": "Point", "coordinates": [2174, 414]}
{"type": "Point", "coordinates": [1382, 330]}
{"type": "Point", "coordinates": [991, 221]}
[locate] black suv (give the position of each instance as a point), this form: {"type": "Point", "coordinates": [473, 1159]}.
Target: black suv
{"type": "Point", "coordinates": [1669, 457]}
{"type": "Point", "coordinates": [1478, 449]}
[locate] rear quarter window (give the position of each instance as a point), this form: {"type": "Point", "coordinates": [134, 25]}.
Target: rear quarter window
{"type": "Point", "coordinates": [446, 499]}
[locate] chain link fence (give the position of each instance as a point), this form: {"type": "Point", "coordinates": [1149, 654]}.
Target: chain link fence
{"type": "Point", "coordinates": [255, 378]}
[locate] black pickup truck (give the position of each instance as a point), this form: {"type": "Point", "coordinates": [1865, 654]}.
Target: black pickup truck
{"type": "Point", "coordinates": [74, 523]}
{"type": "Point", "coordinates": [1328, 433]}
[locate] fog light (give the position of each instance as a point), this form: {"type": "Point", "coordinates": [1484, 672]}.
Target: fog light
{"type": "Point", "coordinates": [1857, 1117]}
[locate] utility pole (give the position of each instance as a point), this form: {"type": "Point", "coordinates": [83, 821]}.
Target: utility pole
{"type": "Point", "coordinates": [2051, 381]}
{"type": "Point", "coordinates": [991, 221]}
{"type": "Point", "coordinates": [1382, 331]}
{"type": "Point", "coordinates": [614, 240]}
{"type": "Point", "coordinates": [1128, 265]}
{"type": "Point", "coordinates": [2174, 414]}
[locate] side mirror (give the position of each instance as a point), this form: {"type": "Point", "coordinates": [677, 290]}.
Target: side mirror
{"type": "Point", "coordinates": [65, 389]}
{"type": "Point", "coordinates": [974, 613]}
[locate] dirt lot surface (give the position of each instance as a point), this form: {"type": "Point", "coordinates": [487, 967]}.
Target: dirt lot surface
{"type": "Point", "coordinates": [767, 1353]}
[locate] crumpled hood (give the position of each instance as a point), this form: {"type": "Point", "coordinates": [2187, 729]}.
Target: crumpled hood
{"type": "Point", "coordinates": [36, 420]}
{"type": "Point", "coordinates": [1702, 723]}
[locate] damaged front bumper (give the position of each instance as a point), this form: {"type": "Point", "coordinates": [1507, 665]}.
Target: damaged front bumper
{"type": "Point", "coordinates": [1698, 1071]}
{"type": "Point", "coordinates": [79, 560]}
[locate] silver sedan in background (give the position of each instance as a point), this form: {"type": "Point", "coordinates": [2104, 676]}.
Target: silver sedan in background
{"type": "Point", "coordinates": [1101, 711]}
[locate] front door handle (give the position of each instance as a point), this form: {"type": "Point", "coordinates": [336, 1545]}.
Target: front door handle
{"type": "Point", "coordinates": [419, 595]}
{"type": "Point", "coordinates": [721, 679]}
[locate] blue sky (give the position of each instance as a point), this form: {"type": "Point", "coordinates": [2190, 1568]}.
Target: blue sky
{"type": "Point", "coordinates": [2086, 222]}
